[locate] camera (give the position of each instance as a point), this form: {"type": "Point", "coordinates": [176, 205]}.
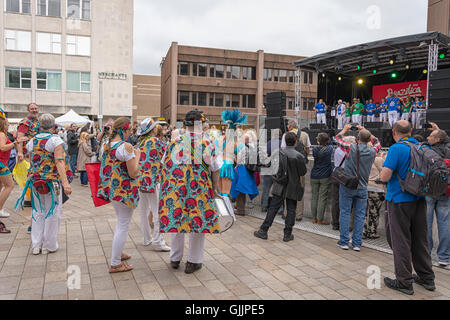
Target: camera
{"type": "Point", "coordinates": [354, 126]}
{"type": "Point", "coordinates": [427, 126]}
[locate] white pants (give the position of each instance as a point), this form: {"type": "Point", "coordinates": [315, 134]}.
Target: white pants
{"type": "Point", "coordinates": [347, 120]}
{"type": "Point", "coordinates": [124, 214]}
{"type": "Point", "coordinates": [321, 118]}
{"type": "Point", "coordinates": [44, 232]}
{"type": "Point", "coordinates": [393, 117]}
{"type": "Point", "coordinates": [196, 247]}
{"type": "Point", "coordinates": [371, 118]}
{"type": "Point", "coordinates": [405, 116]}
{"type": "Point", "coordinates": [357, 118]}
{"type": "Point", "coordinates": [340, 119]}
{"type": "Point", "coordinates": [383, 117]}
{"type": "Point", "coordinates": [149, 202]}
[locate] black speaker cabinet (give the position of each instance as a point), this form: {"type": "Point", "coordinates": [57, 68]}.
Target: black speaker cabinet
{"type": "Point", "coordinates": [439, 95]}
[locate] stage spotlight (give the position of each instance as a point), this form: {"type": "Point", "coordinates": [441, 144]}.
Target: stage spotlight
{"type": "Point", "coordinates": [323, 75]}
{"type": "Point", "coordinates": [424, 71]}
{"type": "Point", "coordinates": [374, 71]}
{"type": "Point", "coordinates": [359, 66]}
{"type": "Point", "coordinates": [339, 78]}
{"type": "Point", "coordinates": [394, 75]}
{"type": "Point", "coordinates": [443, 53]}
{"type": "Point", "coordinates": [360, 82]}
{"type": "Point", "coordinates": [407, 66]}
{"type": "Point", "coordinates": [392, 61]}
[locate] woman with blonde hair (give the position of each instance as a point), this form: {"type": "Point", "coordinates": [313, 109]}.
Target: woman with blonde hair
{"type": "Point", "coordinates": [84, 156]}
{"type": "Point", "coordinates": [118, 184]}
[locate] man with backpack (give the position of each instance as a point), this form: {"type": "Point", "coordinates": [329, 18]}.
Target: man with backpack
{"type": "Point", "coordinates": [406, 223]}
{"type": "Point", "coordinates": [439, 142]}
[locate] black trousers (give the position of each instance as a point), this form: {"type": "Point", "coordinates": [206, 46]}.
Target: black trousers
{"type": "Point", "coordinates": [275, 205]}
{"type": "Point", "coordinates": [335, 203]}
{"type": "Point", "coordinates": [406, 231]}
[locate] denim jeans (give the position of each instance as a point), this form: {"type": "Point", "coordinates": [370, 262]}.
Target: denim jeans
{"type": "Point", "coordinates": [73, 162]}
{"type": "Point", "coordinates": [441, 206]}
{"type": "Point", "coordinates": [347, 199]}
{"type": "Point", "coordinates": [84, 178]}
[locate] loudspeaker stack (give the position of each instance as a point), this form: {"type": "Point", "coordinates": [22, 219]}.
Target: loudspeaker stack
{"type": "Point", "coordinates": [276, 104]}
{"type": "Point", "coordinates": [439, 99]}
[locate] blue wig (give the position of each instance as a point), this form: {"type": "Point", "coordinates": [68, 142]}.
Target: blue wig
{"type": "Point", "coordinates": [234, 118]}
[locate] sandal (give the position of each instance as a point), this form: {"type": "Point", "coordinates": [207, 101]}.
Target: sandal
{"type": "Point", "coordinates": [3, 228]}
{"type": "Point", "coordinates": [125, 257]}
{"type": "Point", "coordinates": [123, 267]}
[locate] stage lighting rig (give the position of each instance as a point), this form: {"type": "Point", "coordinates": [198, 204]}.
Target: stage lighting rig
{"type": "Point", "coordinates": [360, 82]}
{"type": "Point", "coordinates": [359, 67]}
{"type": "Point", "coordinates": [443, 53]}
{"type": "Point", "coordinates": [425, 71]}
{"type": "Point", "coordinates": [392, 61]}
{"type": "Point", "coordinates": [394, 75]}
{"type": "Point", "coordinates": [375, 59]}
{"type": "Point", "coordinates": [408, 66]}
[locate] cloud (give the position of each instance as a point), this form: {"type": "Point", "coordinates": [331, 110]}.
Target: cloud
{"type": "Point", "coordinates": [296, 27]}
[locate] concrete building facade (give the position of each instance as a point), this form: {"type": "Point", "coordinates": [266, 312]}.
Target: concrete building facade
{"type": "Point", "coordinates": [146, 97]}
{"type": "Point", "coordinates": [439, 16]}
{"type": "Point", "coordinates": [57, 53]}
{"type": "Point", "coordinates": [215, 79]}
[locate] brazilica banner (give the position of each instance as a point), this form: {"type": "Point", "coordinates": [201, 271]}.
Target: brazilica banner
{"type": "Point", "coordinates": [402, 90]}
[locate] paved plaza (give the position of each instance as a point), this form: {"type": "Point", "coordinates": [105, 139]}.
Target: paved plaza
{"type": "Point", "coordinates": [237, 265]}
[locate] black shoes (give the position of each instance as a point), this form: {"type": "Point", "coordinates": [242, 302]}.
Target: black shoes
{"type": "Point", "coordinates": [395, 285]}
{"type": "Point", "coordinates": [299, 219]}
{"type": "Point", "coordinates": [288, 238]}
{"type": "Point", "coordinates": [336, 228]}
{"type": "Point", "coordinates": [429, 285]}
{"type": "Point", "coordinates": [192, 267]}
{"type": "Point", "coordinates": [175, 264]}
{"type": "Point", "coordinates": [261, 234]}
{"type": "Point", "coordinates": [27, 204]}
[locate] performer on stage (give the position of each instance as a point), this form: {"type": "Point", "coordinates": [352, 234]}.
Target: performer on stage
{"type": "Point", "coordinates": [190, 177]}
{"type": "Point", "coordinates": [406, 112]}
{"type": "Point", "coordinates": [118, 184]}
{"type": "Point", "coordinates": [417, 113]}
{"type": "Point", "coordinates": [321, 109]}
{"type": "Point", "coordinates": [348, 113]}
{"type": "Point", "coordinates": [383, 110]}
{"type": "Point", "coordinates": [152, 152]}
{"type": "Point", "coordinates": [340, 114]}
{"type": "Point", "coordinates": [371, 111]}
{"type": "Point", "coordinates": [394, 108]}
{"type": "Point", "coordinates": [357, 111]}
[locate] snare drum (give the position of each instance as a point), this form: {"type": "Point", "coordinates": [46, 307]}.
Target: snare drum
{"type": "Point", "coordinates": [225, 213]}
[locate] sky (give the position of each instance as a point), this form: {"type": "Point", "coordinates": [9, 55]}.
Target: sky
{"type": "Point", "coordinates": [295, 27]}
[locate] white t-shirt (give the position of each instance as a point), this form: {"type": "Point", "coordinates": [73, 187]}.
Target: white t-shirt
{"type": "Point", "coordinates": [283, 140]}
{"type": "Point", "coordinates": [122, 153]}
{"type": "Point", "coordinates": [51, 144]}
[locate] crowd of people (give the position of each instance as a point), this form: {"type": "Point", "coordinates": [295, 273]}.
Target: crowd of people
{"type": "Point", "coordinates": [390, 109]}
{"type": "Point", "coordinates": [174, 177]}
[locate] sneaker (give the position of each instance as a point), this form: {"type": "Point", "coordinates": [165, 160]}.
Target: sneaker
{"type": "Point", "coordinates": [146, 243]}
{"type": "Point", "coordinates": [343, 246]}
{"type": "Point", "coordinates": [261, 234]}
{"type": "Point", "coordinates": [175, 264]}
{"type": "Point", "coordinates": [444, 264]}
{"type": "Point", "coordinates": [161, 247]}
{"type": "Point", "coordinates": [192, 267]}
{"type": "Point", "coordinates": [36, 251]}
{"type": "Point", "coordinates": [288, 238]}
{"type": "Point", "coordinates": [395, 285]}
{"type": "Point", "coordinates": [283, 217]}
{"type": "Point", "coordinates": [357, 249]}
{"type": "Point", "coordinates": [4, 214]}
{"type": "Point", "coordinates": [29, 230]}
{"type": "Point", "coordinates": [429, 285]}
{"type": "Point", "coordinates": [44, 251]}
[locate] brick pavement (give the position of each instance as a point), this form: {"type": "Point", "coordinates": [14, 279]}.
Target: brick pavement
{"type": "Point", "coordinates": [237, 266]}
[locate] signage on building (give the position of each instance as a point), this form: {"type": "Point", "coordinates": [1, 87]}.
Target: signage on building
{"type": "Point", "coordinates": [112, 75]}
{"type": "Point", "coordinates": [402, 90]}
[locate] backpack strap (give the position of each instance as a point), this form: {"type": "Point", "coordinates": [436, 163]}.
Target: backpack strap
{"type": "Point", "coordinates": [400, 180]}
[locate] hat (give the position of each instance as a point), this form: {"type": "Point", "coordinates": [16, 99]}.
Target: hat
{"type": "Point", "coordinates": [194, 116]}
{"type": "Point", "coordinates": [2, 113]}
{"type": "Point", "coordinates": [146, 126]}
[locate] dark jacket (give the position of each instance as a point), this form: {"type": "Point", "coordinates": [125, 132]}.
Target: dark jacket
{"type": "Point", "coordinates": [442, 149]}
{"type": "Point", "coordinates": [72, 142]}
{"type": "Point", "coordinates": [287, 181]}
{"type": "Point", "coordinates": [323, 166]}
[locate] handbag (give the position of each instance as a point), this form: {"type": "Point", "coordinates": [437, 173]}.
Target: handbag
{"type": "Point", "coordinates": [344, 178]}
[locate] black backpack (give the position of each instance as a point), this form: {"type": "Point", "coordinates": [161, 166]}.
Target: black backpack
{"type": "Point", "coordinates": [427, 174]}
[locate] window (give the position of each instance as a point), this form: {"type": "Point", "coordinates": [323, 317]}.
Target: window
{"type": "Point", "coordinates": [194, 98]}
{"type": "Point", "coordinates": [305, 77]}
{"type": "Point", "coordinates": [51, 8]}
{"type": "Point", "coordinates": [78, 81]}
{"type": "Point", "coordinates": [236, 101]}
{"type": "Point", "coordinates": [79, 9]}
{"type": "Point", "coordinates": [202, 99]}
{"type": "Point", "coordinates": [267, 74]}
{"type": "Point", "coordinates": [276, 75]}
{"type": "Point", "coordinates": [48, 42]}
{"type": "Point", "coordinates": [291, 76]}
{"type": "Point", "coordinates": [18, 6]}
{"type": "Point", "coordinates": [18, 78]}
{"type": "Point", "coordinates": [227, 100]}
{"type": "Point", "coordinates": [183, 98]}
{"type": "Point", "coordinates": [194, 69]}
{"type": "Point", "coordinates": [48, 80]}
{"type": "Point", "coordinates": [235, 72]}
{"type": "Point", "coordinates": [251, 101]}
{"type": "Point", "coordinates": [291, 103]}
{"type": "Point", "coordinates": [219, 71]}
{"type": "Point", "coordinates": [244, 101]}
{"type": "Point", "coordinates": [283, 76]}
{"type": "Point", "coordinates": [78, 45]}
{"type": "Point", "coordinates": [212, 73]}
{"type": "Point", "coordinates": [183, 68]}
{"type": "Point", "coordinates": [246, 74]}
{"type": "Point", "coordinates": [211, 99]}
{"type": "Point", "coordinates": [311, 78]}
{"type": "Point", "coordinates": [17, 40]}
{"type": "Point", "coordinates": [219, 99]}
{"type": "Point", "coordinates": [202, 69]}
{"type": "Point", "coordinates": [228, 72]}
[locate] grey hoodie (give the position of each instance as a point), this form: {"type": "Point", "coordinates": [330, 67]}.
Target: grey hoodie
{"type": "Point", "coordinates": [367, 157]}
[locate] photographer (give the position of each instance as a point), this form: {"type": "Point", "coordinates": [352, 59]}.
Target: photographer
{"type": "Point", "coordinates": [72, 143]}
{"type": "Point", "coordinates": [103, 139]}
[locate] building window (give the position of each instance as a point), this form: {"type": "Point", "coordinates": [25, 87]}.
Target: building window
{"type": "Point", "coordinates": [236, 101]}
{"type": "Point", "coordinates": [219, 99]}
{"type": "Point", "coordinates": [311, 78]}
{"type": "Point", "coordinates": [202, 69]}
{"type": "Point", "coordinates": [244, 101]}
{"type": "Point", "coordinates": [291, 103]}
{"type": "Point", "coordinates": [251, 101]}
{"type": "Point", "coordinates": [228, 72]}
{"type": "Point", "coordinates": [50, 8]}
{"type": "Point", "coordinates": [194, 98]}
{"type": "Point", "coordinates": [18, 6]}
{"type": "Point", "coordinates": [17, 40]}
{"type": "Point", "coordinates": [305, 77]}
{"type": "Point", "coordinates": [202, 99]}
{"type": "Point", "coordinates": [183, 98]}
{"type": "Point", "coordinates": [195, 69]}
{"type": "Point", "coordinates": [79, 9]}
{"type": "Point", "coordinates": [227, 100]}
{"type": "Point", "coordinates": [211, 99]}
{"type": "Point", "coordinates": [235, 72]}
{"type": "Point", "coordinates": [78, 45]}
{"type": "Point", "coordinates": [267, 74]}
{"type": "Point", "coordinates": [291, 76]}
{"type": "Point", "coordinates": [48, 80]}
{"type": "Point", "coordinates": [48, 42]}
{"type": "Point", "coordinates": [19, 78]}
{"type": "Point", "coordinates": [219, 71]}
{"type": "Point", "coordinates": [246, 73]}
{"type": "Point", "coordinates": [212, 73]}
{"type": "Point", "coordinates": [283, 76]}
{"type": "Point", "coordinates": [276, 75]}
{"type": "Point", "coordinates": [78, 81]}
{"type": "Point", "coordinates": [183, 68]}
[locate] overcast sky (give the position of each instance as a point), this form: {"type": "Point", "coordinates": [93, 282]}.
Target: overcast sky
{"type": "Point", "coordinates": [297, 27]}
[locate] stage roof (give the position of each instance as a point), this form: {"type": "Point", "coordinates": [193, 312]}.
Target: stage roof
{"type": "Point", "coordinates": [414, 49]}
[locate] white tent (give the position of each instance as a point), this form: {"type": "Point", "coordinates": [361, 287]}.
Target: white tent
{"type": "Point", "coordinates": [72, 117]}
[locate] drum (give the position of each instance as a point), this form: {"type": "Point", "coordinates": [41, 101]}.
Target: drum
{"type": "Point", "coordinates": [225, 213]}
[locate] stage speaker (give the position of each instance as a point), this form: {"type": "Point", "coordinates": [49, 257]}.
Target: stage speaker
{"type": "Point", "coordinates": [386, 138]}
{"type": "Point", "coordinates": [276, 104]}
{"type": "Point", "coordinates": [439, 95]}
{"type": "Point", "coordinates": [374, 125]}
{"type": "Point", "coordinates": [318, 126]}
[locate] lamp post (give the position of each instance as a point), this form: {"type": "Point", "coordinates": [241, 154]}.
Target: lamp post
{"type": "Point", "coordinates": [100, 104]}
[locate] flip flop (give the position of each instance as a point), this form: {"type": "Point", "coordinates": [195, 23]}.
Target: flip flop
{"type": "Point", "coordinates": [123, 267]}
{"type": "Point", "coordinates": [3, 228]}
{"type": "Point", "coordinates": [125, 257]}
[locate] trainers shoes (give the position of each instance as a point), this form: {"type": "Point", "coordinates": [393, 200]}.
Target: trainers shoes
{"type": "Point", "coordinates": [161, 247]}
{"type": "Point", "coordinates": [29, 230]}
{"type": "Point", "coordinates": [44, 251]}
{"type": "Point", "coordinates": [396, 285]}
{"type": "Point", "coordinates": [261, 234]}
{"type": "Point", "coordinates": [429, 285]}
{"type": "Point", "coordinates": [27, 204]}
{"type": "Point", "coordinates": [4, 214]}
{"type": "Point", "coordinates": [36, 251]}
{"type": "Point", "coordinates": [343, 246]}
{"type": "Point", "coordinates": [357, 249]}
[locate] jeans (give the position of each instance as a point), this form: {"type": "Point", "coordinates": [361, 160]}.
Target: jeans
{"type": "Point", "coordinates": [441, 206]}
{"type": "Point", "coordinates": [347, 199]}
{"type": "Point", "coordinates": [84, 178]}
{"type": "Point", "coordinates": [320, 189]}
{"type": "Point", "coordinates": [73, 162]}
{"type": "Point", "coordinates": [275, 205]}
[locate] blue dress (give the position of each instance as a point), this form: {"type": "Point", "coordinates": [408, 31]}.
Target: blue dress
{"type": "Point", "coordinates": [243, 182]}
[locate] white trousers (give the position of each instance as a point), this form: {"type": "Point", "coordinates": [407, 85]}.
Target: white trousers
{"type": "Point", "coordinates": [149, 202]}
{"type": "Point", "coordinates": [196, 247]}
{"type": "Point", "coordinates": [371, 118]}
{"type": "Point", "coordinates": [383, 117]}
{"type": "Point", "coordinates": [321, 118]}
{"type": "Point", "coordinates": [340, 119]}
{"type": "Point", "coordinates": [347, 120]}
{"type": "Point", "coordinates": [357, 118]}
{"type": "Point", "coordinates": [405, 116]}
{"type": "Point", "coordinates": [44, 232]}
{"type": "Point", "coordinates": [393, 117]}
{"type": "Point", "coordinates": [124, 214]}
